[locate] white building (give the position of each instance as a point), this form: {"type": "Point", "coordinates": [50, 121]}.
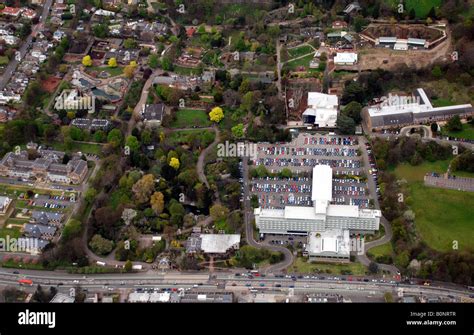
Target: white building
{"type": "Point", "coordinates": [4, 203]}
{"type": "Point", "coordinates": [396, 111]}
{"type": "Point", "coordinates": [329, 246]}
{"type": "Point", "coordinates": [322, 110]}
{"type": "Point", "coordinates": [219, 243]}
{"type": "Point", "coordinates": [322, 216]}
{"type": "Point", "coordinates": [345, 58]}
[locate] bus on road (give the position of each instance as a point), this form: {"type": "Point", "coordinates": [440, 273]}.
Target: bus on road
{"type": "Point", "coordinates": [28, 282]}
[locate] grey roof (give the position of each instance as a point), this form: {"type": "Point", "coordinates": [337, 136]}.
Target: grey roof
{"type": "Point", "coordinates": [46, 217]}
{"type": "Point", "coordinates": [417, 41]}
{"type": "Point", "coordinates": [38, 230]}
{"type": "Point", "coordinates": [385, 39]}
{"type": "Point", "coordinates": [153, 112]}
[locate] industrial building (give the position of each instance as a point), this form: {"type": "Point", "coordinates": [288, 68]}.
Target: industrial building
{"type": "Point", "coordinates": [329, 246]}
{"type": "Point", "coordinates": [398, 111]}
{"type": "Point", "coordinates": [322, 216]}
{"type": "Point", "coordinates": [322, 110]}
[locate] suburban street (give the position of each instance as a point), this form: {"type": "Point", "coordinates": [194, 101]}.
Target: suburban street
{"type": "Point", "coordinates": [11, 67]}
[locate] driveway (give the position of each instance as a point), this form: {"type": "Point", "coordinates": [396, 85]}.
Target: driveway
{"type": "Point", "coordinates": [248, 219]}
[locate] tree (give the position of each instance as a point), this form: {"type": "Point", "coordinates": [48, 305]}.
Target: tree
{"type": "Point", "coordinates": [128, 71]}
{"type": "Point", "coordinates": [345, 124]}
{"type": "Point", "coordinates": [153, 61]}
{"type": "Point", "coordinates": [112, 62]}
{"type": "Point", "coordinates": [218, 212]}
{"type": "Point", "coordinates": [353, 110]}
{"type": "Point", "coordinates": [174, 163]}
{"type": "Point", "coordinates": [454, 124]}
{"type": "Point", "coordinates": [128, 266]}
{"type": "Point", "coordinates": [101, 245]}
{"type": "Point", "coordinates": [157, 202]}
{"type": "Point", "coordinates": [90, 195]}
{"type": "Point", "coordinates": [100, 30]}
{"type": "Point", "coordinates": [436, 72]}
{"type": "Point", "coordinates": [216, 114]}
{"type": "Point", "coordinates": [143, 188]}
{"type": "Point", "coordinates": [115, 137]}
{"type": "Point", "coordinates": [373, 267]}
{"type": "Point", "coordinates": [434, 127]}
{"type": "Point", "coordinates": [72, 229]}
{"type": "Point", "coordinates": [238, 130]}
{"type": "Point", "coordinates": [87, 60]}
{"type": "Point", "coordinates": [132, 143]}
{"type": "Point", "coordinates": [129, 43]}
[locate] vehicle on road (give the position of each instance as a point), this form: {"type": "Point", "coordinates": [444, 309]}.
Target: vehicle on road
{"type": "Point", "coordinates": [27, 282]}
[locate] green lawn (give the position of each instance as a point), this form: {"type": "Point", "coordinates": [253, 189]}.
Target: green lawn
{"type": "Point", "coordinates": [300, 51]}
{"type": "Point", "coordinates": [417, 173]}
{"type": "Point", "coordinates": [4, 60]}
{"type": "Point", "coordinates": [186, 136]}
{"type": "Point", "coordinates": [13, 232]}
{"type": "Point", "coordinates": [441, 216]}
{"type": "Point", "coordinates": [382, 250]}
{"type": "Point", "coordinates": [186, 118]}
{"type": "Point", "coordinates": [300, 265]}
{"type": "Point", "coordinates": [113, 71]}
{"type": "Point", "coordinates": [295, 64]}
{"type": "Point", "coordinates": [467, 132]}
{"type": "Point", "coordinates": [186, 71]}
{"type": "Point", "coordinates": [78, 146]}
{"type": "Point", "coordinates": [422, 7]}
{"type": "Point", "coordinates": [440, 102]}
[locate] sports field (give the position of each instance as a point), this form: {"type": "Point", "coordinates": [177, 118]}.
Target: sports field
{"type": "Point", "coordinates": [441, 216]}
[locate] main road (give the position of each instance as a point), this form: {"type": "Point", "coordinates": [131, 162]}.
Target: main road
{"type": "Point", "coordinates": [11, 67]}
{"type": "Point", "coordinates": [226, 281]}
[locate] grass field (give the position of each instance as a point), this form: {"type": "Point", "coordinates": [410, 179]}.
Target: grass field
{"type": "Point", "coordinates": [422, 7]}
{"type": "Point", "coordinates": [13, 232]}
{"type": "Point", "coordinates": [78, 146]}
{"type": "Point", "coordinates": [4, 60]}
{"type": "Point", "coordinates": [440, 102]}
{"type": "Point", "coordinates": [300, 265]}
{"type": "Point", "coordinates": [441, 216]}
{"type": "Point", "coordinates": [186, 118]}
{"type": "Point", "coordinates": [113, 71]}
{"type": "Point", "coordinates": [185, 71]}
{"type": "Point", "coordinates": [467, 132]}
{"type": "Point", "coordinates": [295, 64]}
{"type": "Point", "coordinates": [300, 51]}
{"type": "Point", "coordinates": [417, 173]}
{"type": "Point", "coordinates": [185, 136]}
{"type": "Point", "coordinates": [382, 250]}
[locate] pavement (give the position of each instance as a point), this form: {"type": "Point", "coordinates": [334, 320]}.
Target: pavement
{"type": "Point", "coordinates": [383, 221]}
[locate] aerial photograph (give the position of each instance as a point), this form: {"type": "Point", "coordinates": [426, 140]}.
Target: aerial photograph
{"type": "Point", "coordinates": [315, 153]}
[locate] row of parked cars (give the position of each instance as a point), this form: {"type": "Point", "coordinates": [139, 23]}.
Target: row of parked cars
{"type": "Point", "coordinates": [373, 168]}
{"type": "Point", "coordinates": [349, 190]}
{"type": "Point", "coordinates": [341, 163]}
{"type": "Point", "coordinates": [348, 140]}
{"type": "Point", "coordinates": [280, 188]}
{"type": "Point", "coordinates": [301, 151]}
